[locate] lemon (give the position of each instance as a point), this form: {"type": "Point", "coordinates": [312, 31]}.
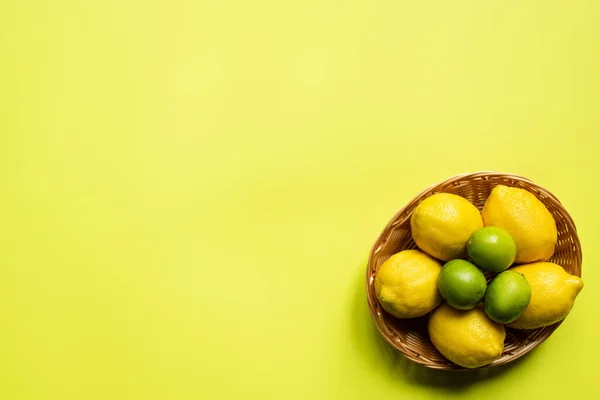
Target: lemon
{"type": "Point", "coordinates": [527, 220]}
{"type": "Point", "coordinates": [492, 248]}
{"type": "Point", "coordinates": [461, 284]}
{"type": "Point", "coordinates": [553, 293]}
{"type": "Point", "coordinates": [507, 297]}
{"type": "Point", "coordinates": [467, 338]}
{"type": "Point", "coordinates": [406, 284]}
{"type": "Point", "coordinates": [441, 225]}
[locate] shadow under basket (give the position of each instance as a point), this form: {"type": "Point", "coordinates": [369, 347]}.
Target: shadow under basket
{"type": "Point", "coordinates": [410, 336]}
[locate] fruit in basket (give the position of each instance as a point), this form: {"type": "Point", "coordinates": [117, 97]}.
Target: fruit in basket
{"type": "Point", "coordinates": [406, 284]}
{"type": "Point", "coordinates": [492, 248]}
{"type": "Point", "coordinates": [442, 223]}
{"type": "Point", "coordinates": [507, 297]}
{"type": "Point", "coordinates": [471, 338]}
{"type": "Point", "coordinates": [525, 218]}
{"type": "Point", "coordinates": [553, 292]}
{"type": "Point", "coordinates": [461, 284]}
{"type": "Point", "coordinates": [467, 338]}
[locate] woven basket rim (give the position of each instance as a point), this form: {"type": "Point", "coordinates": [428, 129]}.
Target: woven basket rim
{"type": "Point", "coordinates": [398, 219]}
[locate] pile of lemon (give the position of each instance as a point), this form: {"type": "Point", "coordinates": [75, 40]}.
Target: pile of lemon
{"type": "Point", "coordinates": [514, 227]}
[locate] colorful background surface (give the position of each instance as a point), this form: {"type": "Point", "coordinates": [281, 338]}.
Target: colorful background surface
{"type": "Point", "coordinates": [189, 189]}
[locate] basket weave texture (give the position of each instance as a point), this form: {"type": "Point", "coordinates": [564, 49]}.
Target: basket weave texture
{"type": "Point", "coordinates": [410, 336]}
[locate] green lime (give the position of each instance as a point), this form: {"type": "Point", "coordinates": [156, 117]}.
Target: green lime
{"type": "Point", "coordinates": [492, 248]}
{"type": "Point", "coordinates": [507, 297]}
{"type": "Point", "coordinates": [461, 284]}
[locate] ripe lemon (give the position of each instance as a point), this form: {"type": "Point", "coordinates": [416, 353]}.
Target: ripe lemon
{"type": "Point", "coordinates": [467, 338]}
{"type": "Point", "coordinates": [527, 220]}
{"type": "Point", "coordinates": [553, 293]}
{"type": "Point", "coordinates": [507, 297]}
{"type": "Point", "coordinates": [461, 284]}
{"type": "Point", "coordinates": [441, 225]}
{"type": "Point", "coordinates": [406, 284]}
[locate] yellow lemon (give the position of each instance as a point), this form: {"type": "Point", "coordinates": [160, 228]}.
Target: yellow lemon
{"type": "Point", "coordinates": [553, 292]}
{"type": "Point", "coordinates": [527, 220]}
{"type": "Point", "coordinates": [467, 338]}
{"type": "Point", "coordinates": [442, 224]}
{"type": "Point", "coordinates": [406, 284]}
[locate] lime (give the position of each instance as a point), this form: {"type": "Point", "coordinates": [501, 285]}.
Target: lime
{"type": "Point", "coordinates": [507, 297]}
{"type": "Point", "coordinates": [492, 248]}
{"type": "Point", "coordinates": [461, 284]}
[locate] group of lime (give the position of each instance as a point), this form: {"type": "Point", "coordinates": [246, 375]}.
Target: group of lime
{"type": "Point", "coordinates": [514, 227]}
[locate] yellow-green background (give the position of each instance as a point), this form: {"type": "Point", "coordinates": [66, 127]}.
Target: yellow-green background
{"type": "Point", "coordinates": [189, 189]}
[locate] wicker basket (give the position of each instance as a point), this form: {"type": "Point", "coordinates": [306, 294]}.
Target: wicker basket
{"type": "Point", "coordinates": [410, 336]}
